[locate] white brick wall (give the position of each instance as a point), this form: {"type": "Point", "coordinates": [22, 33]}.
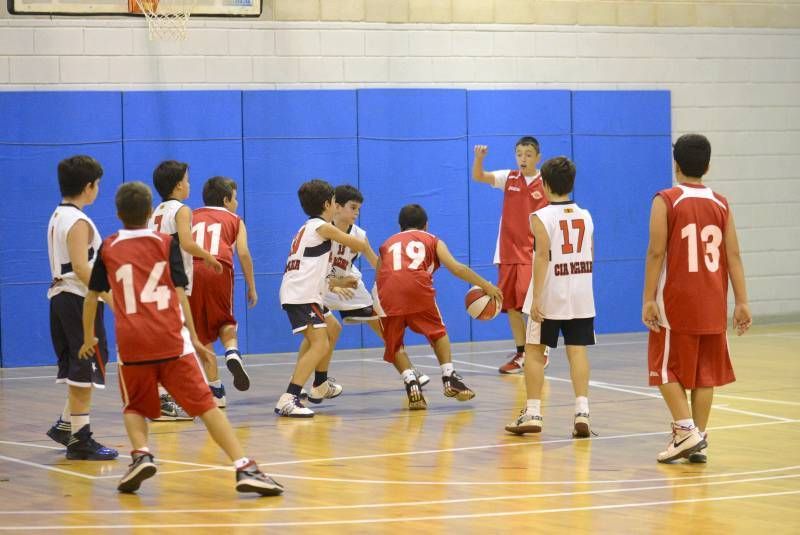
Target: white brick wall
{"type": "Point", "coordinates": [741, 87]}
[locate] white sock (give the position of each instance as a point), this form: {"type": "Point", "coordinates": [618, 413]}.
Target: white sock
{"type": "Point", "coordinates": [688, 423]}
{"type": "Point", "coordinates": [447, 369]}
{"type": "Point", "coordinates": [241, 463]}
{"type": "Point", "coordinates": [582, 404]}
{"type": "Point", "coordinates": [233, 349]}
{"type": "Point", "coordinates": [161, 391]}
{"type": "Point", "coordinates": [65, 412]}
{"type": "Point", "coordinates": [215, 384]}
{"type": "Point", "coordinates": [78, 421]}
{"type": "Point", "coordinates": [534, 406]}
{"type": "Point", "coordinates": [408, 376]}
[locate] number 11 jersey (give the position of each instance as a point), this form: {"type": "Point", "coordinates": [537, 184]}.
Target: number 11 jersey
{"type": "Point", "coordinates": [693, 288]}
{"type": "Point", "coordinates": [405, 277]}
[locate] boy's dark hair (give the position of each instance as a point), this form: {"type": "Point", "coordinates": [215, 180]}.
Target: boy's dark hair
{"type": "Point", "coordinates": [167, 175]}
{"type": "Point", "coordinates": [346, 193]}
{"type": "Point", "coordinates": [76, 172]}
{"type": "Point", "coordinates": [134, 202]}
{"type": "Point", "coordinates": [217, 189]}
{"type": "Point", "coordinates": [412, 216]}
{"type": "Point", "coordinates": [559, 175]}
{"type": "Point", "coordinates": [528, 140]}
{"type": "Point", "coordinates": [313, 195]}
{"type": "Point", "coordinates": [692, 153]}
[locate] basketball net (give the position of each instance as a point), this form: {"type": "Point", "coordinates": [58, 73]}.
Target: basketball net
{"type": "Point", "coordinates": [166, 19]}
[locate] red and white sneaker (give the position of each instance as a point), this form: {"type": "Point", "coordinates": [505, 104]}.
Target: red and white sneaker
{"type": "Point", "coordinates": [515, 365]}
{"type": "Point", "coordinates": [685, 441]}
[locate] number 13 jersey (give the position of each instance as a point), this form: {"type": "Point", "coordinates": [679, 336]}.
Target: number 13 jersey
{"type": "Point", "coordinates": [405, 277]}
{"type": "Point", "coordinates": [693, 288]}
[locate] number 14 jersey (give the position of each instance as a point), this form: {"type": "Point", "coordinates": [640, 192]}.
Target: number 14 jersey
{"type": "Point", "coordinates": [693, 288]}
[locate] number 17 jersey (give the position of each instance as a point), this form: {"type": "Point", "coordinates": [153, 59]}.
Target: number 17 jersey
{"type": "Point", "coordinates": [693, 288]}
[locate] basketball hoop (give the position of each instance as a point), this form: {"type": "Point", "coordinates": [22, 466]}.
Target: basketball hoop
{"type": "Point", "coordinates": [166, 19]}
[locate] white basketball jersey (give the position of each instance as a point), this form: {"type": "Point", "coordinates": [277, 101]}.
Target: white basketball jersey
{"type": "Point", "coordinates": [305, 277]}
{"type": "Point", "coordinates": [343, 265]}
{"type": "Point", "coordinates": [567, 292]}
{"type": "Point", "coordinates": [163, 220]}
{"type": "Point", "coordinates": [64, 278]}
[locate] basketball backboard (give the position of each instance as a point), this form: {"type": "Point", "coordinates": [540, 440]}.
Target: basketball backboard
{"type": "Point", "coordinates": [222, 8]}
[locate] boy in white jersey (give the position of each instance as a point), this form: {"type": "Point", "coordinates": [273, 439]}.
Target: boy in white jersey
{"type": "Point", "coordinates": [302, 288]}
{"type": "Point", "coordinates": [171, 180]}
{"type": "Point", "coordinates": [562, 298]}
{"type": "Point", "coordinates": [72, 245]}
{"type": "Point", "coordinates": [355, 304]}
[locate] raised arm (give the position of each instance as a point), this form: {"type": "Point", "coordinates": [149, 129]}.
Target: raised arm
{"type": "Point", "coordinates": [741, 312]}
{"type": "Point", "coordinates": [183, 222]}
{"type": "Point", "coordinates": [465, 273]}
{"type": "Point", "coordinates": [478, 172]}
{"type": "Point", "coordinates": [656, 251]}
{"type": "Point", "coordinates": [246, 260]}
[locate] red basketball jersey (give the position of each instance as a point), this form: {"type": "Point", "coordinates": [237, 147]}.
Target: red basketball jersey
{"type": "Point", "coordinates": [215, 230]}
{"type": "Point", "coordinates": [520, 200]}
{"type": "Point", "coordinates": [142, 268]}
{"type": "Point", "coordinates": [405, 277]}
{"type": "Point", "coordinates": [693, 289]}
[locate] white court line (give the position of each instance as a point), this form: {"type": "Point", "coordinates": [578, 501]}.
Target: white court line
{"type": "Point", "coordinates": [704, 484]}
{"type": "Point", "coordinates": [45, 467]}
{"type": "Point", "coordinates": [727, 396]}
{"type": "Point", "coordinates": [605, 386]}
{"type": "Point", "coordinates": [410, 518]}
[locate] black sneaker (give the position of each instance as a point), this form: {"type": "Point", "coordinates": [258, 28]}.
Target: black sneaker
{"type": "Point", "coordinates": [700, 456]}
{"type": "Point", "coordinates": [235, 365]}
{"type": "Point", "coordinates": [416, 401]}
{"type": "Point", "coordinates": [454, 387]}
{"type": "Point", "coordinates": [83, 447]}
{"type": "Point", "coordinates": [60, 432]}
{"type": "Point", "coordinates": [142, 467]}
{"type": "Point", "coordinates": [250, 479]}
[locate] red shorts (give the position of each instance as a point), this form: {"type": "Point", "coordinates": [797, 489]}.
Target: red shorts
{"type": "Point", "coordinates": [138, 384]}
{"type": "Point", "coordinates": [211, 301]}
{"type": "Point", "coordinates": [514, 281]}
{"type": "Point", "coordinates": [692, 360]}
{"type": "Point", "coordinates": [428, 323]}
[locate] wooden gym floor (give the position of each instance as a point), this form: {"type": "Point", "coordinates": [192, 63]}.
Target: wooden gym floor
{"type": "Point", "coordinates": [365, 464]}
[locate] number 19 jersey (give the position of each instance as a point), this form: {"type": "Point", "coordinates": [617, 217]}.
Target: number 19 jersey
{"type": "Point", "coordinates": [693, 288]}
{"type": "Point", "coordinates": [405, 277]}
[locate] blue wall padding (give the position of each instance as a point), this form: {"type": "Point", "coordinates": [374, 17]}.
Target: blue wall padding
{"type": "Point", "coordinates": [60, 117]}
{"type": "Point", "coordinates": [397, 145]}
{"type": "Point", "coordinates": [182, 115]}
{"type": "Point", "coordinates": [519, 113]}
{"type": "Point", "coordinates": [412, 114]}
{"type": "Point", "coordinates": [621, 113]}
{"type": "Point", "coordinates": [411, 150]}
{"type": "Point", "coordinates": [622, 158]}
{"type": "Point", "coordinates": [290, 137]}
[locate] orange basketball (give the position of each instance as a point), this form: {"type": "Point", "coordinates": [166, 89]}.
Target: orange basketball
{"type": "Point", "coordinates": [480, 306]}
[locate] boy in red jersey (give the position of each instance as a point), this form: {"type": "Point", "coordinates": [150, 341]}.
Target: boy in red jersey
{"type": "Point", "coordinates": [407, 298]}
{"type": "Point", "coordinates": [523, 194]}
{"type": "Point", "coordinates": [156, 339]}
{"type": "Point", "coordinates": [218, 229]}
{"type": "Point", "coordinates": [693, 251]}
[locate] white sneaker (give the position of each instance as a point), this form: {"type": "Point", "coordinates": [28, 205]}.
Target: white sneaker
{"type": "Point", "coordinates": [581, 427]}
{"type": "Point", "coordinates": [422, 379]}
{"type": "Point", "coordinates": [526, 423]}
{"type": "Point", "coordinates": [290, 406]}
{"type": "Point", "coordinates": [684, 442]}
{"type": "Point", "coordinates": [327, 390]}
{"type": "Point", "coordinates": [700, 456]}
